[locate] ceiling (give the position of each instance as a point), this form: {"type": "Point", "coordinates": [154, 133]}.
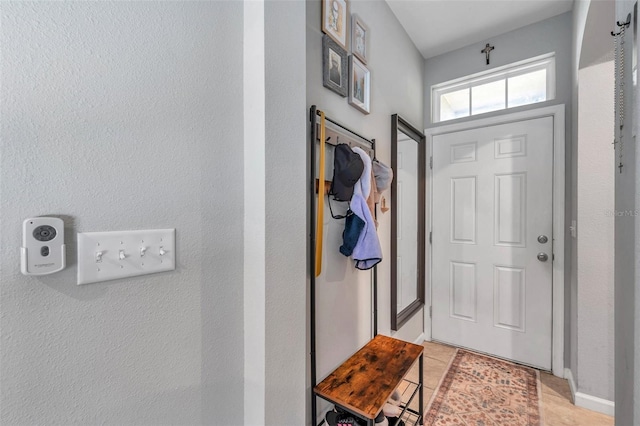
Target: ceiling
{"type": "Point", "coordinates": [439, 26]}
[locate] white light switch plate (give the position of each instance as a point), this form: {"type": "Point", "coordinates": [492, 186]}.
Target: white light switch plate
{"type": "Point", "coordinates": [104, 256]}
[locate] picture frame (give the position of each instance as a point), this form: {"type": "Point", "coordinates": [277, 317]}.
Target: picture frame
{"type": "Point", "coordinates": [359, 85]}
{"type": "Point", "coordinates": [359, 38]}
{"type": "Point", "coordinates": [335, 66]}
{"type": "Point", "coordinates": [334, 20]}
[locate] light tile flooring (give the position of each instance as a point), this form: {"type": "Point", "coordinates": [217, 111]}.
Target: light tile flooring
{"type": "Point", "coordinates": [556, 396]}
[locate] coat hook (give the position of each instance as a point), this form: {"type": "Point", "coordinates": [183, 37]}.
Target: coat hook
{"type": "Point", "coordinates": [621, 24]}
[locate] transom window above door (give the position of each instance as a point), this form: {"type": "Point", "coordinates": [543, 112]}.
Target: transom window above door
{"type": "Point", "coordinates": [521, 83]}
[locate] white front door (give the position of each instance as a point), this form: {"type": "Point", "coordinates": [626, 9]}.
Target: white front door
{"type": "Point", "coordinates": [492, 210]}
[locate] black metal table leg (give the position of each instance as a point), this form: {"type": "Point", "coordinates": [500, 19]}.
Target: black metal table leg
{"type": "Point", "coordinates": [421, 396]}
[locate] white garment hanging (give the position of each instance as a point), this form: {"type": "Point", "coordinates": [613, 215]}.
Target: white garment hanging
{"type": "Point", "coordinates": [367, 253]}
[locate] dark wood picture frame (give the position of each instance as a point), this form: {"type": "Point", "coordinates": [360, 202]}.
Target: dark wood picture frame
{"type": "Point", "coordinates": [334, 77]}
{"type": "Point", "coordinates": [398, 319]}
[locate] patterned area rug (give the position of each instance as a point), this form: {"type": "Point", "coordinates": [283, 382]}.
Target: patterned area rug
{"type": "Point", "coordinates": [482, 391]}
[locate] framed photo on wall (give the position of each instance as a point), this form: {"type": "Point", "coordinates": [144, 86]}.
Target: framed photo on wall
{"type": "Point", "coordinates": [359, 85]}
{"type": "Point", "coordinates": [335, 68]}
{"type": "Point", "coordinates": [334, 20]}
{"type": "Point", "coordinates": [359, 38]}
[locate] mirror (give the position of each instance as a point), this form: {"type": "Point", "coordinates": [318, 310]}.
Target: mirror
{"type": "Point", "coordinates": [407, 221]}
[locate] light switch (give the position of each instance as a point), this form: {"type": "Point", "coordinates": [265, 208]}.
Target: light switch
{"type": "Point", "coordinates": [104, 256]}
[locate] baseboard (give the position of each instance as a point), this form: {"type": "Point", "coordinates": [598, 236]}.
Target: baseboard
{"type": "Point", "coordinates": [587, 401]}
{"type": "Point", "coordinates": [421, 338]}
{"type": "Point", "coordinates": [572, 384]}
{"type": "Point", "coordinates": [594, 403]}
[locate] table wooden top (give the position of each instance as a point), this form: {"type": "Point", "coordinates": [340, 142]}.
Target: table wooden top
{"type": "Point", "coordinates": [364, 382]}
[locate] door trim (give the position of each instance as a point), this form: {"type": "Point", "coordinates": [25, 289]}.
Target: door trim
{"type": "Point", "coordinates": [557, 112]}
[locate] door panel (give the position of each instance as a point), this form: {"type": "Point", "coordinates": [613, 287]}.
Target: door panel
{"type": "Point", "coordinates": [463, 210]}
{"type": "Point", "coordinates": [463, 291]}
{"type": "Point", "coordinates": [510, 213]}
{"type": "Point", "coordinates": [509, 303]}
{"type": "Point", "coordinates": [492, 195]}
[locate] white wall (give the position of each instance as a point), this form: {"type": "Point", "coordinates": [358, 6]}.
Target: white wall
{"type": "Point", "coordinates": [627, 253]}
{"type": "Point", "coordinates": [343, 293]}
{"type": "Point", "coordinates": [254, 85]}
{"type": "Point", "coordinates": [595, 268]}
{"type": "Point", "coordinates": [590, 338]}
{"type": "Point", "coordinates": [587, 31]}
{"type": "Point", "coordinates": [131, 115]}
{"type": "Point", "coordinates": [579, 22]}
{"type": "Point", "coordinates": [123, 116]}
{"type": "Point", "coordinates": [286, 212]}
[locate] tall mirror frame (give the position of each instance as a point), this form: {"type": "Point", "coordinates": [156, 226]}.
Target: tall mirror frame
{"type": "Point", "coordinates": [400, 316]}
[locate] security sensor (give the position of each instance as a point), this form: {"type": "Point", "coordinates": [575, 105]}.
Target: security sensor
{"type": "Point", "coordinates": [43, 250]}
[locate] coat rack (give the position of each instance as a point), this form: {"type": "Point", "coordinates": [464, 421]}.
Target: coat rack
{"type": "Point", "coordinates": [335, 133]}
{"type": "Point", "coordinates": [384, 362]}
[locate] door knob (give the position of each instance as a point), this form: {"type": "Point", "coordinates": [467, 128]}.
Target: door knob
{"type": "Point", "coordinates": [542, 239]}
{"type": "Point", "coordinates": [542, 257]}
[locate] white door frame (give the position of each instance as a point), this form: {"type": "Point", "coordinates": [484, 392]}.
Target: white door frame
{"type": "Point", "coordinates": [557, 112]}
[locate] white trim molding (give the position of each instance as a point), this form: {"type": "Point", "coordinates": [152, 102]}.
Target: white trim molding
{"type": "Point", "coordinates": [587, 401]}
{"type": "Point", "coordinates": [420, 339]}
{"type": "Point", "coordinates": [572, 384]}
{"type": "Point", "coordinates": [558, 114]}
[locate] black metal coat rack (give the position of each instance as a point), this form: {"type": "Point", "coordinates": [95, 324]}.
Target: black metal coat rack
{"type": "Point", "coordinates": [335, 133]}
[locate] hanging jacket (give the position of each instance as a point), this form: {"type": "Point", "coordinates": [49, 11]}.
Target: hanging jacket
{"type": "Point", "coordinates": [367, 253]}
{"type": "Point", "coordinates": [371, 202]}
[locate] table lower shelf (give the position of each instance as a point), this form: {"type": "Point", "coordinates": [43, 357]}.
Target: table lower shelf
{"type": "Point", "coordinates": [409, 392]}
{"type": "Point", "coordinates": [410, 416]}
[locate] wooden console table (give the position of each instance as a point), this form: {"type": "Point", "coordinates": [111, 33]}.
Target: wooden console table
{"type": "Point", "coordinates": [364, 382]}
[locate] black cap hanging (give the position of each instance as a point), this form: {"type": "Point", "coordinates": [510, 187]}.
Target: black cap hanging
{"type": "Point", "coordinates": [347, 169]}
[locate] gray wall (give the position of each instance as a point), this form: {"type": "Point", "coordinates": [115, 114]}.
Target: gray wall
{"type": "Point", "coordinates": [344, 295]}
{"type": "Point", "coordinates": [551, 35]}
{"type": "Point", "coordinates": [123, 116]}
{"type": "Point", "coordinates": [627, 252]}
{"type": "Point", "coordinates": [286, 209]}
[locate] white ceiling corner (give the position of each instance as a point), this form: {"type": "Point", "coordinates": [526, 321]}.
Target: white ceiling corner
{"type": "Point", "coordinates": [440, 26]}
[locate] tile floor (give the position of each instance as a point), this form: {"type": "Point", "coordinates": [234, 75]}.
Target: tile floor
{"type": "Point", "coordinates": [557, 407]}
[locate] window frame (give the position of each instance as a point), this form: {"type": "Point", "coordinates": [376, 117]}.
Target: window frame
{"type": "Point", "coordinates": [543, 62]}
